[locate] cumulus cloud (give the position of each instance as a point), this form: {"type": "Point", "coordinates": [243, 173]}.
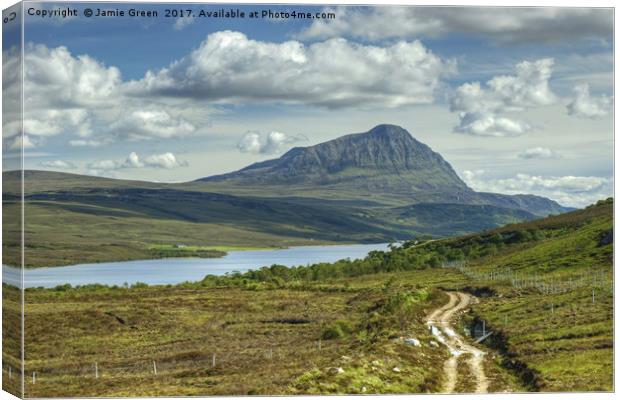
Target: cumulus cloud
{"type": "Point", "coordinates": [56, 76]}
{"type": "Point", "coordinates": [483, 110]}
{"type": "Point", "coordinates": [58, 164]}
{"type": "Point", "coordinates": [139, 124]}
{"type": "Point", "coordinates": [272, 143]}
{"type": "Point", "coordinates": [79, 96]}
{"type": "Point", "coordinates": [538, 153]}
{"type": "Point", "coordinates": [574, 191]}
{"type": "Point", "coordinates": [166, 160]}
{"type": "Point", "coordinates": [583, 105]}
{"type": "Point", "coordinates": [61, 90]}
{"type": "Point", "coordinates": [82, 97]}
{"type": "Point", "coordinates": [544, 24]}
{"type": "Point", "coordinates": [230, 67]}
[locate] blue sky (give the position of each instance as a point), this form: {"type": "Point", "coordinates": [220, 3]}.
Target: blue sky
{"type": "Point", "coordinates": [517, 100]}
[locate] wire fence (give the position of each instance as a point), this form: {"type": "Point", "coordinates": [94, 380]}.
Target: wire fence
{"type": "Point", "coordinates": [208, 362]}
{"type": "Point", "coordinates": [547, 285]}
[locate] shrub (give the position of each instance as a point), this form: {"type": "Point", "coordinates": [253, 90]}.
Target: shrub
{"type": "Point", "coordinates": [339, 330]}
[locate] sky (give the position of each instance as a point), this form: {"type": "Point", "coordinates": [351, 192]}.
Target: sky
{"type": "Point", "coordinates": [518, 100]}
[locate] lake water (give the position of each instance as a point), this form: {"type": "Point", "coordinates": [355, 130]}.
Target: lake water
{"type": "Point", "coordinates": [177, 270]}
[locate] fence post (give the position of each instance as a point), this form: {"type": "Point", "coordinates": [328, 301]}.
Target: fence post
{"type": "Point", "coordinates": [34, 378]}
{"type": "Point", "coordinates": [319, 344]}
{"type": "Point", "coordinates": [213, 361]}
{"type": "Point", "coordinates": [154, 368]}
{"type": "Point", "coordinates": [96, 371]}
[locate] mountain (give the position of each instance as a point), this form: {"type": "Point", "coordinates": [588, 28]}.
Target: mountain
{"type": "Point", "coordinates": [386, 164]}
{"type": "Point", "coordinates": [385, 158]}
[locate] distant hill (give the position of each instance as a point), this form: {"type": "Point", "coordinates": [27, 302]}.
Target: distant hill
{"type": "Point", "coordinates": [386, 164]}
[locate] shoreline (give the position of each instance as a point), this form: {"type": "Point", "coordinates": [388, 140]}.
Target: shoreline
{"type": "Point", "coordinates": [175, 270]}
{"type": "Point", "coordinates": [189, 257]}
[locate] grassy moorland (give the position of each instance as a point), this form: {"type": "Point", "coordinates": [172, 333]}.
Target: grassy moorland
{"type": "Point", "coordinates": [11, 340]}
{"type": "Point", "coordinates": [265, 340]}
{"type": "Point", "coordinates": [534, 281]}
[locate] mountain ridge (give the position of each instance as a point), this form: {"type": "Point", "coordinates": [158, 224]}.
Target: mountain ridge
{"type": "Point", "coordinates": [384, 151]}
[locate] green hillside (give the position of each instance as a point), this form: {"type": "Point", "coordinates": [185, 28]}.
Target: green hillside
{"type": "Point", "coordinates": [546, 287]}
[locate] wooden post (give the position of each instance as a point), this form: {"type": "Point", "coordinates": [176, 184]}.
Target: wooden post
{"type": "Point", "coordinates": [154, 368]}
{"type": "Point", "coordinates": [213, 361]}
{"type": "Point", "coordinates": [484, 331]}
{"type": "Point", "coordinates": [551, 308]}
{"type": "Point", "coordinates": [34, 378]}
{"type": "Point", "coordinates": [319, 344]}
{"type": "Point", "coordinates": [96, 371]}
{"type": "Point", "coordinates": [10, 372]}
{"type": "Point", "coordinates": [592, 296]}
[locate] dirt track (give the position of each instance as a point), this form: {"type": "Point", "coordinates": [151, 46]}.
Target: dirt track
{"type": "Point", "coordinates": [440, 322]}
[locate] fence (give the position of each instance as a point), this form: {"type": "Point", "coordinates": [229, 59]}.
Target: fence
{"type": "Point", "coordinates": [207, 361]}
{"type": "Point", "coordinates": [544, 284]}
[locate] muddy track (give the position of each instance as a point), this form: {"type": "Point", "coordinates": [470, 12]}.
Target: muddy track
{"type": "Point", "coordinates": [441, 324]}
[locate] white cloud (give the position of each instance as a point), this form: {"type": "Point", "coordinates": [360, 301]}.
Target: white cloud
{"type": "Point", "coordinates": [533, 24]}
{"type": "Point", "coordinates": [27, 142]}
{"type": "Point", "coordinates": [148, 123]}
{"type": "Point", "coordinates": [105, 165]}
{"type": "Point", "coordinates": [583, 105]}
{"type": "Point", "coordinates": [250, 143]}
{"type": "Point", "coordinates": [574, 191]}
{"type": "Point", "coordinates": [166, 160]}
{"type": "Point", "coordinates": [53, 76]}
{"type": "Point", "coordinates": [488, 124]}
{"type": "Point", "coordinates": [81, 97]}
{"type": "Point", "coordinates": [60, 91]}
{"type": "Point", "coordinates": [133, 161]}
{"type": "Point", "coordinates": [230, 67]}
{"type": "Point", "coordinates": [272, 143]}
{"type": "Point", "coordinates": [538, 153]}
{"type": "Point", "coordinates": [58, 164]}
{"type": "Point", "coordinates": [482, 111]}
{"type": "Point", "coordinates": [87, 101]}
{"type": "Point", "coordinates": [183, 22]}
{"type": "Point", "coordinates": [51, 122]}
